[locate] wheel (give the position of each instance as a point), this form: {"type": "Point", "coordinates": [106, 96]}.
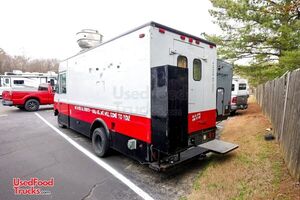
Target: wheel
{"type": "Point", "coordinates": [100, 142]}
{"type": "Point", "coordinates": [32, 105]}
{"type": "Point", "coordinates": [233, 112]}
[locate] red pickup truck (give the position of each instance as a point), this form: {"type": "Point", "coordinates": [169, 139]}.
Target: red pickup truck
{"type": "Point", "coordinates": [29, 100]}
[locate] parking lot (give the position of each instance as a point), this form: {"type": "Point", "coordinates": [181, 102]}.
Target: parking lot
{"type": "Point", "coordinates": [30, 148]}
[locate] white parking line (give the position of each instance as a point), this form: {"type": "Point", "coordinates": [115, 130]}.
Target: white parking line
{"type": "Point", "coordinates": [100, 162]}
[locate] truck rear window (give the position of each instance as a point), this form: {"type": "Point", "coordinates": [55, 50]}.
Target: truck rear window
{"type": "Point", "coordinates": [182, 61]}
{"type": "Point", "coordinates": [242, 86]}
{"type": "Point", "coordinates": [197, 69]}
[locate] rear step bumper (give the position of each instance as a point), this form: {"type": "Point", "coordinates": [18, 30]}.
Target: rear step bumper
{"type": "Point", "coordinates": [219, 146]}
{"type": "Point", "coordinates": [216, 146]}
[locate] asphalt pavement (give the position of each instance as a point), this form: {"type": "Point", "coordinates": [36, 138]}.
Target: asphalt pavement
{"type": "Point", "coordinates": [29, 148]}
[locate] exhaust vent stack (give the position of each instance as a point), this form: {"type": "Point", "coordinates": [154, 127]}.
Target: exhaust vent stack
{"type": "Point", "coordinates": [88, 38]}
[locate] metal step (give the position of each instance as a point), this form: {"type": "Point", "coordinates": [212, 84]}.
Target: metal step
{"type": "Point", "coordinates": [216, 146]}
{"type": "Point", "coordinates": [219, 146]}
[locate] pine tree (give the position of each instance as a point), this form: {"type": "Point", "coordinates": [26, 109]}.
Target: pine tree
{"type": "Point", "coordinates": [264, 34]}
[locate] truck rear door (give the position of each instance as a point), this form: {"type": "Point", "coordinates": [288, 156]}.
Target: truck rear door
{"type": "Point", "coordinates": [201, 92]}
{"type": "Point", "coordinates": [191, 54]}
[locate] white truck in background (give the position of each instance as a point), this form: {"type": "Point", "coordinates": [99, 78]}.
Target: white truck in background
{"type": "Point", "coordinates": [25, 80]}
{"type": "Point", "coordinates": [239, 94]}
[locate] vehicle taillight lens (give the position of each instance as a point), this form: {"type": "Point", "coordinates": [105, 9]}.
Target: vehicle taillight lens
{"type": "Point", "coordinates": [161, 30]}
{"type": "Point", "coordinates": [234, 100]}
{"type": "Point", "coordinates": [211, 135]}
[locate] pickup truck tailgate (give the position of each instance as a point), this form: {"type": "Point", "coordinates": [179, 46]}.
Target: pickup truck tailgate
{"type": "Point", "coordinates": [242, 100]}
{"type": "Point", "coordinates": [219, 146]}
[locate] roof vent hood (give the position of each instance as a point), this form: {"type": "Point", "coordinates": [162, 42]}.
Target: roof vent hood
{"type": "Point", "coordinates": [88, 38]}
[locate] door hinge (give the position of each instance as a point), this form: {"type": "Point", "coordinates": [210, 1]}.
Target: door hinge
{"type": "Point", "coordinates": [172, 51]}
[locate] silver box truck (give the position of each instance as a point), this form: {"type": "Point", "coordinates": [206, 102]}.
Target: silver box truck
{"type": "Point", "coordinates": [224, 81]}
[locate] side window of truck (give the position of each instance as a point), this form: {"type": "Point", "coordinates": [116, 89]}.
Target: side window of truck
{"type": "Point", "coordinates": [62, 83]}
{"type": "Point", "coordinates": [42, 88]}
{"type": "Point", "coordinates": [18, 82]}
{"type": "Point", "coordinates": [182, 61]}
{"type": "Point", "coordinates": [232, 87]}
{"type": "Point", "coordinates": [197, 69]}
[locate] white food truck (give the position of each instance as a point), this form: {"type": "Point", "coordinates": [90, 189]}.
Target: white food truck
{"type": "Point", "coordinates": [149, 93]}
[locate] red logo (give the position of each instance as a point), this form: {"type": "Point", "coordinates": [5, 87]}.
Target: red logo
{"type": "Point", "coordinates": [33, 186]}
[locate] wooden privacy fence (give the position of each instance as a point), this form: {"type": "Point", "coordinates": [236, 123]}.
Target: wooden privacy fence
{"type": "Point", "coordinates": [280, 101]}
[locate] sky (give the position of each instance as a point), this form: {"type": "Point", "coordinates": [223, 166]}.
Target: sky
{"type": "Point", "coordinates": [47, 28]}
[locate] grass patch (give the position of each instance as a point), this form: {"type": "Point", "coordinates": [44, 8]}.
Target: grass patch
{"type": "Point", "coordinates": [183, 198]}
{"type": "Point", "coordinates": [276, 167]}
{"type": "Point", "coordinates": [254, 171]}
{"type": "Point", "coordinates": [214, 186]}
{"type": "Point", "coordinates": [244, 191]}
{"type": "Point", "coordinates": [204, 172]}
{"type": "Point", "coordinates": [243, 159]}
{"type": "Point", "coordinates": [196, 184]}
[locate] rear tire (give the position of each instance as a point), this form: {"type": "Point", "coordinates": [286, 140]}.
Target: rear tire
{"type": "Point", "coordinates": [233, 112]}
{"type": "Point", "coordinates": [32, 105]}
{"type": "Point", "coordinates": [100, 142]}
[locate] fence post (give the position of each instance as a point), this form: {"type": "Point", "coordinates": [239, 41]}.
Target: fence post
{"type": "Point", "coordinates": [284, 106]}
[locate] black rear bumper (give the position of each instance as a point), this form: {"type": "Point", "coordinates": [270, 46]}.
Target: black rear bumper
{"type": "Point", "coordinates": [215, 146]}
{"type": "Point", "coordinates": [7, 103]}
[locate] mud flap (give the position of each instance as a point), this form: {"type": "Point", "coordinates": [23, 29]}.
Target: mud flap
{"type": "Point", "coordinates": [219, 146]}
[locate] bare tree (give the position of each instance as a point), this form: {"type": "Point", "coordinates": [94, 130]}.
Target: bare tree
{"type": "Point", "coordinates": [9, 63]}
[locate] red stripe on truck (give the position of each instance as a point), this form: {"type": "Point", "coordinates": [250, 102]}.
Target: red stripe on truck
{"type": "Point", "coordinates": [132, 125]}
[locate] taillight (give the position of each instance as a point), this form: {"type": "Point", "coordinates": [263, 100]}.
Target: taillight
{"type": "Point", "coordinates": [161, 30]}
{"type": "Point", "coordinates": [6, 94]}
{"type": "Point", "coordinates": [234, 100]}
{"type": "Point", "coordinates": [211, 135]}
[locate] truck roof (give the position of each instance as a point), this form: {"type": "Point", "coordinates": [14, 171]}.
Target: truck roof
{"type": "Point", "coordinates": [153, 24]}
